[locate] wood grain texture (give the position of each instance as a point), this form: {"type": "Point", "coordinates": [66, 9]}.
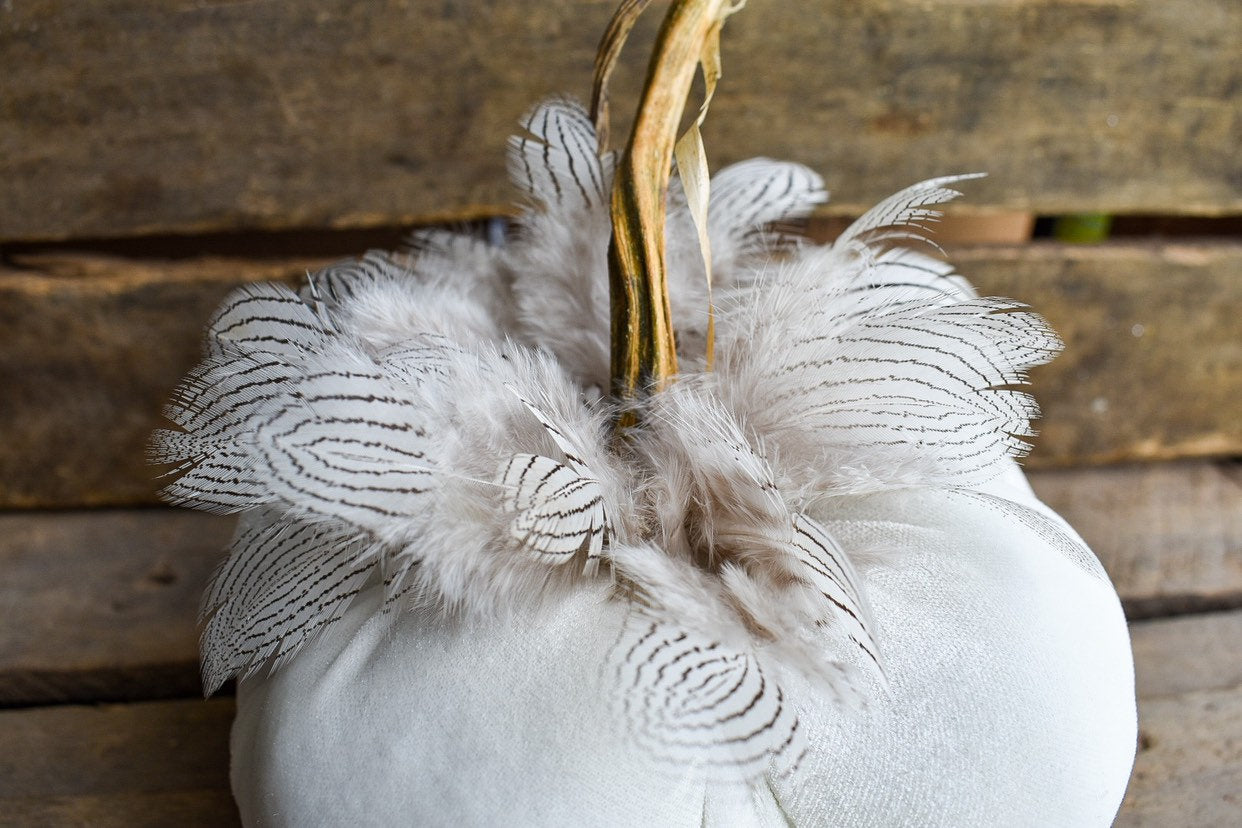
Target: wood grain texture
{"type": "Point", "coordinates": [1188, 771]}
{"type": "Point", "coordinates": [1169, 534]}
{"type": "Point", "coordinates": [145, 116]}
{"type": "Point", "coordinates": [103, 605]}
{"type": "Point", "coordinates": [93, 347]}
{"type": "Point", "coordinates": [152, 764]}
{"type": "Point", "coordinates": [1187, 654]}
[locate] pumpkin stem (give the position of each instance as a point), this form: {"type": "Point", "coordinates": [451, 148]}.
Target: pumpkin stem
{"type": "Point", "coordinates": [644, 354]}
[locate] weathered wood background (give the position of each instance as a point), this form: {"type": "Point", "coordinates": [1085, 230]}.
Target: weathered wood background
{"type": "Point", "coordinates": [139, 116]}
{"type": "Point", "coordinates": [149, 150]}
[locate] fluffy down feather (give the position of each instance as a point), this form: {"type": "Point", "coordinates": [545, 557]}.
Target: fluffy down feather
{"type": "Point", "coordinates": [558, 263]}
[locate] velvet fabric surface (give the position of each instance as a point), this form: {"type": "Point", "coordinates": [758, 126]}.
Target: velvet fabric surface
{"type": "Point", "coordinates": [1010, 700]}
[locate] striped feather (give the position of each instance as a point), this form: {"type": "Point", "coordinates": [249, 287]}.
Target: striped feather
{"type": "Point", "coordinates": [827, 568]}
{"type": "Point", "coordinates": [347, 443]}
{"type": "Point", "coordinates": [267, 318]}
{"type": "Point", "coordinates": [219, 405]}
{"type": "Point", "coordinates": [340, 283]}
{"type": "Point", "coordinates": [883, 359]}
{"type": "Point", "coordinates": [282, 585]}
{"type": "Point", "coordinates": [750, 196]}
{"type": "Point", "coordinates": [930, 378]}
{"type": "Point", "coordinates": [218, 399]}
{"type": "Point", "coordinates": [891, 278]}
{"type": "Point", "coordinates": [420, 359]}
{"type": "Point", "coordinates": [325, 432]}
{"type": "Point", "coordinates": [904, 215]}
{"type": "Point", "coordinates": [571, 448]}
{"type": "Point", "coordinates": [695, 704]}
{"type": "Point", "coordinates": [556, 163]}
{"type": "Point", "coordinates": [558, 511]}
{"type": "Point", "coordinates": [221, 480]}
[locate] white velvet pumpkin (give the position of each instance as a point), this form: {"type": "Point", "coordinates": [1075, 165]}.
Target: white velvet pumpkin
{"type": "Point", "coordinates": [1011, 702]}
{"type": "Point", "coordinates": [833, 511]}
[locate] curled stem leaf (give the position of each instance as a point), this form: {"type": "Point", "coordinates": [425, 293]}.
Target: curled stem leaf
{"type": "Point", "coordinates": [692, 167]}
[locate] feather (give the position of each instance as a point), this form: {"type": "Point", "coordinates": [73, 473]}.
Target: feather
{"type": "Point", "coordinates": [698, 705]}
{"type": "Point", "coordinates": [382, 302]}
{"type": "Point", "coordinates": [334, 287]}
{"type": "Point", "coordinates": [471, 267]}
{"type": "Point", "coordinates": [883, 367]}
{"type": "Point", "coordinates": [558, 510]}
{"type": "Point", "coordinates": [828, 569]}
{"type": "Point", "coordinates": [556, 163]}
{"type": "Point", "coordinates": [571, 448]}
{"type": "Point", "coordinates": [283, 583]}
{"type": "Point", "coordinates": [217, 405]}
{"type": "Point", "coordinates": [326, 433]}
{"type": "Point", "coordinates": [558, 258]}
{"type": "Point", "coordinates": [750, 197]}
{"type": "Point", "coordinates": [266, 318]}
{"type": "Point", "coordinates": [779, 573]}
{"type": "Point", "coordinates": [347, 443]}
{"type": "Point", "coordinates": [904, 215]}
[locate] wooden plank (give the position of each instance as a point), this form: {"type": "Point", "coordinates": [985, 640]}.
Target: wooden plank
{"type": "Point", "coordinates": [153, 764]}
{"type": "Point", "coordinates": [103, 605]}
{"type": "Point", "coordinates": [93, 347]}
{"type": "Point", "coordinates": [159, 117]}
{"type": "Point", "coordinates": [1170, 535]}
{"type": "Point", "coordinates": [1187, 654]}
{"type": "Point", "coordinates": [1188, 771]}
{"type": "Point", "coordinates": [188, 809]}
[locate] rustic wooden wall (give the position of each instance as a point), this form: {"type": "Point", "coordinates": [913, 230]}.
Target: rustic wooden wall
{"type": "Point", "coordinates": [134, 133]}
{"type": "Point", "coordinates": [144, 115]}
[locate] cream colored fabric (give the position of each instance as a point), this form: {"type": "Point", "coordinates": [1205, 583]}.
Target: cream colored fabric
{"type": "Point", "coordinates": [1011, 703]}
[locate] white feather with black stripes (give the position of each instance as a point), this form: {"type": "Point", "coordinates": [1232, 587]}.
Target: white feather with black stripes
{"type": "Point", "coordinates": [402, 455]}
{"type": "Point", "coordinates": [867, 365]}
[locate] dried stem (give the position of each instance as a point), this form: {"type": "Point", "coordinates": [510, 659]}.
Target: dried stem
{"type": "Point", "coordinates": [644, 355]}
{"type": "Point", "coordinates": [606, 56]}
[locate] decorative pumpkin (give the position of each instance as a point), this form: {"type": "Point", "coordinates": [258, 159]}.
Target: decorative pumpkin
{"type": "Point", "coordinates": [494, 568]}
